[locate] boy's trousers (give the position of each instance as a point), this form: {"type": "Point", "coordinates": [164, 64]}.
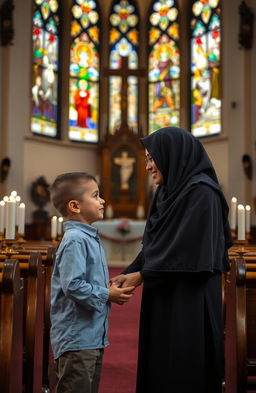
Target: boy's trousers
{"type": "Point", "coordinates": [79, 371]}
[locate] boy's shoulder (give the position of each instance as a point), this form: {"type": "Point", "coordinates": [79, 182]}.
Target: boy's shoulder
{"type": "Point", "coordinates": [72, 234]}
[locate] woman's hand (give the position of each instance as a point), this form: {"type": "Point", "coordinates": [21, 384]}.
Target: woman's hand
{"type": "Point", "coordinates": [118, 280]}
{"type": "Point", "coordinates": [127, 280]}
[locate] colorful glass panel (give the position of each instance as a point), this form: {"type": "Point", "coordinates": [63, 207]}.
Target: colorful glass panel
{"type": "Point", "coordinates": [205, 68]}
{"type": "Point", "coordinates": [84, 72]}
{"type": "Point", "coordinates": [45, 67]}
{"type": "Point", "coordinates": [123, 41]}
{"type": "Point", "coordinates": [164, 65]}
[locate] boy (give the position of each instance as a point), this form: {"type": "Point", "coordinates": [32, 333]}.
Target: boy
{"type": "Point", "coordinates": [80, 295]}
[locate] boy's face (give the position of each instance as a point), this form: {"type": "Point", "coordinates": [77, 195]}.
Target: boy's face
{"type": "Point", "coordinates": [90, 206]}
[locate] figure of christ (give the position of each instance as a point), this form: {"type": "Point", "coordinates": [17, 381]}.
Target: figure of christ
{"type": "Point", "coordinates": [126, 169]}
{"type": "Point", "coordinates": [82, 104]}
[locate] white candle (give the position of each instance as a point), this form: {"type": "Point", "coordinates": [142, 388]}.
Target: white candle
{"type": "Point", "coordinates": [248, 218]}
{"type": "Point", "coordinates": [2, 216]}
{"type": "Point", "coordinates": [10, 218]}
{"type": "Point", "coordinates": [60, 222]}
{"type": "Point", "coordinates": [233, 213]}
{"type": "Point", "coordinates": [21, 219]}
{"type": "Point", "coordinates": [240, 222]}
{"type": "Point", "coordinates": [54, 227]}
{"type": "Point", "coordinates": [5, 199]}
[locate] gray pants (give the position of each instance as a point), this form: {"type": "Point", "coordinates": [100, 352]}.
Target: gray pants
{"type": "Point", "coordinates": [79, 371]}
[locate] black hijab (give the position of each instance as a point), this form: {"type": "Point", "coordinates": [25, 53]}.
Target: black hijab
{"type": "Point", "coordinates": [187, 227]}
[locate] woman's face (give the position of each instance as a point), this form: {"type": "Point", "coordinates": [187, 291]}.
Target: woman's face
{"type": "Point", "coordinates": [152, 168]}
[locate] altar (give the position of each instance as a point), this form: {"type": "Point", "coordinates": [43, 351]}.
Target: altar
{"type": "Point", "coordinates": [120, 248]}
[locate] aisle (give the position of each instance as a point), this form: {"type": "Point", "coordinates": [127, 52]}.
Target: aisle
{"type": "Point", "coordinates": [120, 359]}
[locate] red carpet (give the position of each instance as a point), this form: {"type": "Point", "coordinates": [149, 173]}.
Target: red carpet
{"type": "Point", "coordinates": [120, 358]}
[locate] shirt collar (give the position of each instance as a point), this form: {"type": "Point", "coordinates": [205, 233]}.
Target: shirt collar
{"type": "Point", "coordinates": [89, 229]}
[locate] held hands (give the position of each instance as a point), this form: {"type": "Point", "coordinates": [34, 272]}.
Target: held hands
{"type": "Point", "coordinates": [127, 280]}
{"type": "Point", "coordinates": [120, 295]}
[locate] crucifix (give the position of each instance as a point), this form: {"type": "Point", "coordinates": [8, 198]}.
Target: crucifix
{"type": "Point", "coordinates": [124, 72]}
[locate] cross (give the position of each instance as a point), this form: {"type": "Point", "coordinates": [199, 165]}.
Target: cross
{"type": "Point", "coordinates": [124, 72]}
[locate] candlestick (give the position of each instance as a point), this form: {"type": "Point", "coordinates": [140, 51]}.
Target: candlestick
{"type": "Point", "coordinates": [2, 216]}
{"type": "Point", "coordinates": [248, 218]}
{"type": "Point", "coordinates": [233, 213]}
{"type": "Point", "coordinates": [21, 219]}
{"type": "Point", "coordinates": [60, 223]}
{"type": "Point", "coordinates": [54, 227]}
{"type": "Point", "coordinates": [10, 218]}
{"type": "Point", "coordinates": [241, 222]}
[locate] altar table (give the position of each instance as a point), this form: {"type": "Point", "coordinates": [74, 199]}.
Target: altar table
{"type": "Point", "coordinates": [120, 249]}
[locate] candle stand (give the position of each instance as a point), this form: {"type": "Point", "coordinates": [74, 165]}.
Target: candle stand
{"type": "Point", "coordinates": [241, 250]}
{"type": "Point", "coordinates": [8, 247]}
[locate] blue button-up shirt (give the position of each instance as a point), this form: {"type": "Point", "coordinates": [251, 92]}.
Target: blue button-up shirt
{"type": "Point", "coordinates": [79, 293]}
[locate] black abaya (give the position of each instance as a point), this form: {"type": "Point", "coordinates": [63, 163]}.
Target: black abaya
{"type": "Point", "coordinates": [184, 253]}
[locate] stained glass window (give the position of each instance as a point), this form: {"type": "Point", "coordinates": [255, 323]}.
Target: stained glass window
{"type": "Point", "coordinates": [164, 65]}
{"type": "Point", "coordinates": [84, 72]}
{"type": "Point", "coordinates": [205, 68]}
{"type": "Point", "coordinates": [124, 40]}
{"type": "Point", "coordinates": [45, 67]}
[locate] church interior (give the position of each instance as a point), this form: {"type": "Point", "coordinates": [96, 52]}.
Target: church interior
{"type": "Point", "coordinates": [81, 81]}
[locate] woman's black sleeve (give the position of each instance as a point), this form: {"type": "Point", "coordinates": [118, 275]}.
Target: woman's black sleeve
{"type": "Point", "coordinates": [136, 265]}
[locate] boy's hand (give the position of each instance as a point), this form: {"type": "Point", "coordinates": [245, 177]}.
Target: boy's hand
{"type": "Point", "coordinates": [120, 295]}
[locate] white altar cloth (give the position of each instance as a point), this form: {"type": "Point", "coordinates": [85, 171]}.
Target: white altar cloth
{"type": "Point", "coordinates": [120, 249]}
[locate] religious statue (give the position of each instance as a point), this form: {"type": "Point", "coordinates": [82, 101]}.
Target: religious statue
{"type": "Point", "coordinates": [126, 168]}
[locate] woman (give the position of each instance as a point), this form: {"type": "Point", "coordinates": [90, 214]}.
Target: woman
{"type": "Point", "coordinates": [184, 253]}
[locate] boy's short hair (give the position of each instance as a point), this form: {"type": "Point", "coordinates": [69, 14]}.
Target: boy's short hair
{"type": "Point", "coordinates": [67, 187]}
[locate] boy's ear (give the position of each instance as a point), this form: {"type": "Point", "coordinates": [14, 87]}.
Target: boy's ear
{"type": "Point", "coordinates": [73, 206]}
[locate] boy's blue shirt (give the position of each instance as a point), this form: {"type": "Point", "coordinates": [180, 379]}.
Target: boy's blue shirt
{"type": "Point", "coordinates": [79, 293]}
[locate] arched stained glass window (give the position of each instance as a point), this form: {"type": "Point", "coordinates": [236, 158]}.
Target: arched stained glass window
{"type": "Point", "coordinates": [124, 40]}
{"type": "Point", "coordinates": [84, 72]}
{"type": "Point", "coordinates": [45, 67]}
{"type": "Point", "coordinates": [164, 65]}
{"type": "Point", "coordinates": [205, 68]}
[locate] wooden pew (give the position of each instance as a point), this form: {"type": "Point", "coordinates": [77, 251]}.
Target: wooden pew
{"type": "Point", "coordinates": [48, 253]}
{"type": "Point", "coordinates": [11, 327]}
{"type": "Point", "coordinates": [240, 342]}
{"type": "Point", "coordinates": [32, 272]}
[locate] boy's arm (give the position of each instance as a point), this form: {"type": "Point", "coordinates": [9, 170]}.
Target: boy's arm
{"type": "Point", "coordinates": [72, 269]}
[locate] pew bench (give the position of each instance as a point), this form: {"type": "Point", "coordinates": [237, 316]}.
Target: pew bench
{"type": "Point", "coordinates": [33, 319]}
{"type": "Point", "coordinates": [11, 327]}
{"type": "Point", "coordinates": [240, 339]}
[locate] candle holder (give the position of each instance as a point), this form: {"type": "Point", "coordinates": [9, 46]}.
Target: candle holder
{"type": "Point", "coordinates": [7, 247]}
{"type": "Point", "coordinates": [20, 239]}
{"type": "Point", "coordinates": [241, 247]}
